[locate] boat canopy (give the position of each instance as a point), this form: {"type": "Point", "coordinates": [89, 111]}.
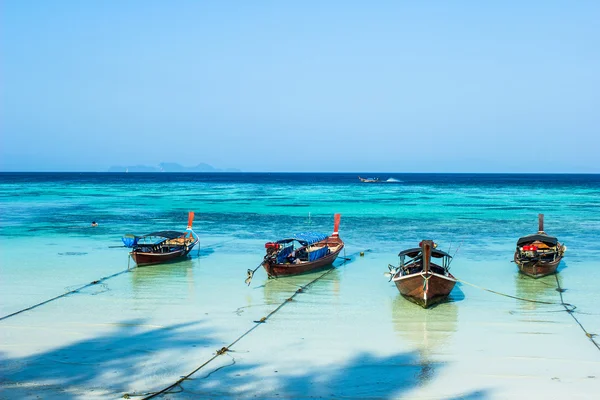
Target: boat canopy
{"type": "Point", "coordinates": [538, 237]}
{"type": "Point", "coordinates": [412, 253]}
{"type": "Point", "coordinates": [306, 238]}
{"type": "Point", "coordinates": [132, 240]}
{"type": "Point", "coordinates": [165, 234]}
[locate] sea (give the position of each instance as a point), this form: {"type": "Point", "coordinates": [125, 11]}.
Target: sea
{"type": "Point", "coordinates": [79, 320]}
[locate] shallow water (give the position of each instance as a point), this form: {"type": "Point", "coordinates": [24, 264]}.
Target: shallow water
{"type": "Point", "coordinates": [350, 334]}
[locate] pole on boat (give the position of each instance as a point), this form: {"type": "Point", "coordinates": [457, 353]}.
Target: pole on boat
{"type": "Point", "coordinates": [190, 220]}
{"type": "Point", "coordinates": [251, 273]}
{"type": "Point", "coordinates": [336, 224]}
{"type": "Point", "coordinates": [189, 228]}
{"type": "Point", "coordinates": [540, 223]}
{"type": "Point", "coordinates": [426, 246]}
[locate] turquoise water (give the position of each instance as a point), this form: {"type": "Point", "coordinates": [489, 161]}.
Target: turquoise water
{"type": "Point", "coordinates": [350, 334]}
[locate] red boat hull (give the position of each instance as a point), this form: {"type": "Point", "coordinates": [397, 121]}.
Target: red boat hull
{"type": "Point", "coordinates": [425, 288]}
{"type": "Point", "coordinates": [275, 270]}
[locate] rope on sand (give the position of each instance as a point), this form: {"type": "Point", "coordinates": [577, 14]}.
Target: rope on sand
{"type": "Point", "coordinates": [224, 350]}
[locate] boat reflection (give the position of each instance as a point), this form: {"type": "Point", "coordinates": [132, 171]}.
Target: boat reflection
{"type": "Point", "coordinates": [278, 290]}
{"type": "Point", "coordinates": [542, 289]}
{"type": "Point", "coordinates": [429, 331]}
{"type": "Point", "coordinates": [163, 279]}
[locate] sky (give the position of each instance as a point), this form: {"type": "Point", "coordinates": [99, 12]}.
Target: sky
{"type": "Point", "coordinates": [301, 86]}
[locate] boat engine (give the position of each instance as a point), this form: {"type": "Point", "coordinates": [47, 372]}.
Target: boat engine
{"type": "Point", "coordinates": [272, 248]}
{"type": "Point", "coordinates": [529, 250]}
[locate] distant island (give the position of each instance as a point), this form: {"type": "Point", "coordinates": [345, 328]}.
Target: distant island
{"type": "Point", "coordinates": [170, 167]}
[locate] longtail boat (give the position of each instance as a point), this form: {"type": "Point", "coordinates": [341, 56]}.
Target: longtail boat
{"type": "Point", "coordinates": [539, 254]}
{"type": "Point", "coordinates": [301, 253]}
{"type": "Point", "coordinates": [162, 246]}
{"type": "Point", "coordinates": [420, 280]}
{"type": "Point", "coordinates": [369, 180]}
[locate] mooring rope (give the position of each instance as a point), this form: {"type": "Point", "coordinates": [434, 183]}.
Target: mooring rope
{"type": "Point", "coordinates": [569, 308]}
{"type": "Point", "coordinates": [91, 284]}
{"type": "Point", "coordinates": [520, 298]}
{"type": "Point", "coordinates": [226, 349]}
{"type": "Point", "coordinates": [589, 335]}
{"type": "Point", "coordinates": [65, 294]}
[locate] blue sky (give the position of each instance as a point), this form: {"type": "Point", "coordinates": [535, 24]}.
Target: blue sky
{"type": "Point", "coordinates": [397, 86]}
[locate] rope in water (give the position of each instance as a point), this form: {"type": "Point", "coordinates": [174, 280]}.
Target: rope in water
{"type": "Point", "coordinates": [65, 294]}
{"type": "Point", "coordinates": [224, 350]}
{"type": "Point", "coordinates": [569, 308]}
{"type": "Point", "coordinates": [87, 285]}
{"type": "Point", "coordinates": [589, 335]}
{"type": "Point", "coordinates": [520, 298]}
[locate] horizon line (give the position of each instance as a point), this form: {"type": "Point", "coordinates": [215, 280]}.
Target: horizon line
{"type": "Point", "coordinates": [293, 172]}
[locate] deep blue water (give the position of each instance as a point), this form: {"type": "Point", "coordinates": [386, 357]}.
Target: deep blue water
{"type": "Point", "coordinates": [575, 180]}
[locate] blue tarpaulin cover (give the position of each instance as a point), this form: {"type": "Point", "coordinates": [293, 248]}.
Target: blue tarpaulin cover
{"type": "Point", "coordinates": [308, 238]}
{"type": "Point", "coordinates": [130, 240]}
{"type": "Point", "coordinates": [315, 255]}
{"type": "Point", "coordinates": [282, 256]}
{"type": "Point", "coordinates": [305, 239]}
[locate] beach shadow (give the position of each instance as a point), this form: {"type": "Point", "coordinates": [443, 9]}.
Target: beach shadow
{"type": "Point", "coordinates": [477, 395]}
{"type": "Point", "coordinates": [561, 266]}
{"type": "Point", "coordinates": [204, 252]}
{"type": "Point", "coordinates": [456, 295]}
{"type": "Point", "coordinates": [101, 364]}
{"type": "Point", "coordinates": [107, 366]}
{"type": "Point", "coordinates": [364, 376]}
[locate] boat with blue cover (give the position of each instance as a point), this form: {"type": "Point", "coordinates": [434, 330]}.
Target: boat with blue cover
{"type": "Point", "coordinates": [302, 252]}
{"type": "Point", "coordinates": [161, 246]}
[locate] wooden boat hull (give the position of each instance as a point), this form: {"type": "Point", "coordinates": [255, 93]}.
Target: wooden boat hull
{"type": "Point", "coordinates": [275, 270]}
{"type": "Point", "coordinates": [143, 259]}
{"type": "Point", "coordinates": [537, 269]}
{"type": "Point", "coordinates": [425, 288]}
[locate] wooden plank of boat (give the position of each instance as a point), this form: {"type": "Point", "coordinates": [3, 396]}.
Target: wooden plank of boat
{"type": "Point", "coordinates": [538, 255]}
{"type": "Point", "coordinates": [537, 269]}
{"type": "Point", "coordinates": [151, 258]}
{"type": "Point", "coordinates": [425, 289]}
{"type": "Point", "coordinates": [424, 286]}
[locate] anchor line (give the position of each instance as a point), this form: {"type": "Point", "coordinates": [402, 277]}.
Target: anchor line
{"type": "Point", "coordinates": [226, 349]}
{"type": "Point", "coordinates": [520, 298]}
{"type": "Point", "coordinates": [589, 335]}
{"type": "Point", "coordinates": [85, 286]}
{"type": "Point", "coordinates": [569, 308]}
{"type": "Point", "coordinates": [65, 294]}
